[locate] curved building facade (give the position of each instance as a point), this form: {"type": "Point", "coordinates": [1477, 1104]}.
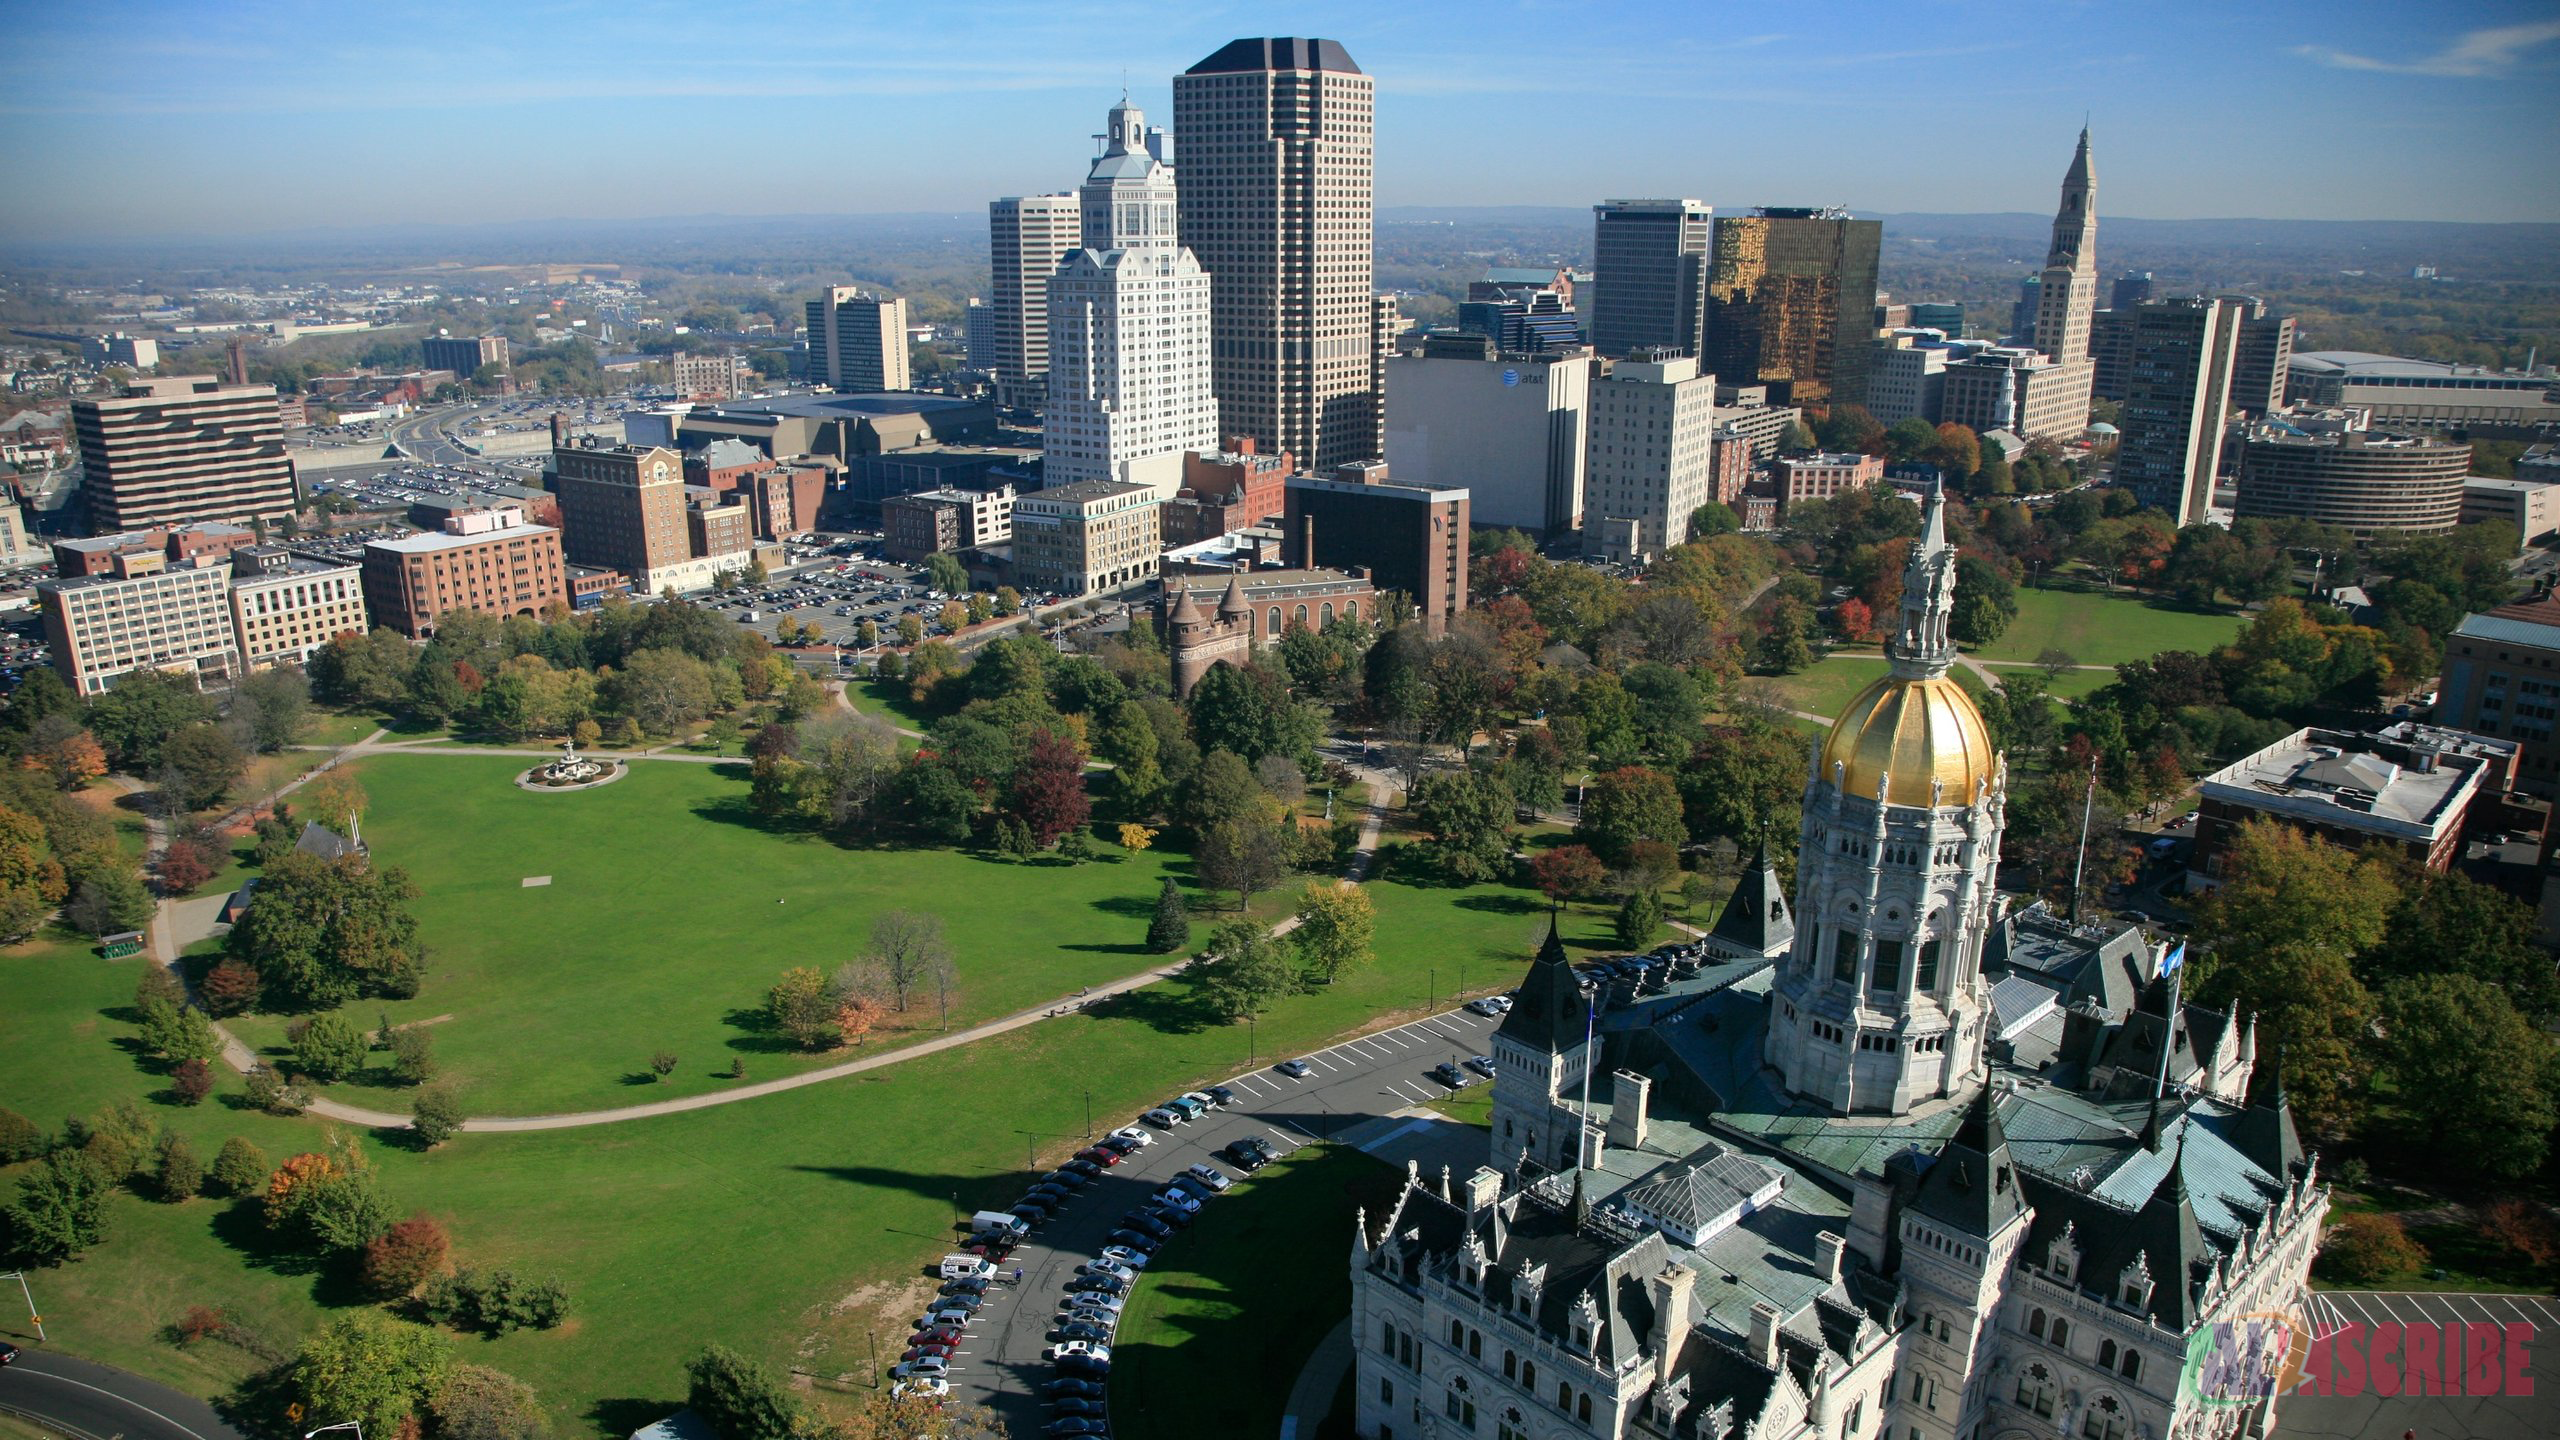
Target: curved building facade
{"type": "Point", "coordinates": [1880, 1006]}
{"type": "Point", "coordinates": [2363, 481]}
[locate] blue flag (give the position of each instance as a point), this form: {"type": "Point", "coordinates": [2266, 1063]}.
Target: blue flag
{"type": "Point", "coordinates": [2176, 957]}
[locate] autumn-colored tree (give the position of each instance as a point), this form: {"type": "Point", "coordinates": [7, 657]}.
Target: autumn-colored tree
{"type": "Point", "coordinates": [75, 760]}
{"type": "Point", "coordinates": [1135, 837]}
{"type": "Point", "coordinates": [405, 1256]}
{"type": "Point", "coordinates": [184, 867]}
{"type": "Point", "coordinates": [1568, 872]}
{"type": "Point", "coordinates": [295, 1175]}
{"type": "Point", "coordinates": [1047, 793]}
{"type": "Point", "coordinates": [1857, 622]}
{"type": "Point", "coordinates": [229, 988]}
{"type": "Point", "coordinates": [191, 1081]}
{"type": "Point", "coordinates": [335, 798]}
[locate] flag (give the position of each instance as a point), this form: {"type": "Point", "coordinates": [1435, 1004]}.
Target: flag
{"type": "Point", "coordinates": [2176, 957]}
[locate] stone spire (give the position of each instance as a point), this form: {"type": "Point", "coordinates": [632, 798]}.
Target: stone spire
{"type": "Point", "coordinates": [1925, 646]}
{"type": "Point", "coordinates": [2067, 287]}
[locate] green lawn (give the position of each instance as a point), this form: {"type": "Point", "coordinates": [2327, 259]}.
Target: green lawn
{"type": "Point", "coordinates": [887, 699]}
{"type": "Point", "coordinates": [669, 912]}
{"type": "Point", "coordinates": [331, 727]}
{"type": "Point", "coordinates": [1826, 686]}
{"type": "Point", "coordinates": [789, 1226]}
{"type": "Point", "coordinates": [2096, 628]}
{"type": "Point", "coordinates": [1244, 1298]}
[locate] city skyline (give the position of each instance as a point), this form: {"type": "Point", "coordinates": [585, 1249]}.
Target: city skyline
{"type": "Point", "coordinates": [219, 124]}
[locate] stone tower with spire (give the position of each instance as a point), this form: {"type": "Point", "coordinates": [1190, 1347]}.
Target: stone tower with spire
{"type": "Point", "coordinates": [1542, 1054]}
{"type": "Point", "coordinates": [1199, 639]}
{"type": "Point", "coordinates": [2067, 288]}
{"type": "Point", "coordinates": [1880, 1005]}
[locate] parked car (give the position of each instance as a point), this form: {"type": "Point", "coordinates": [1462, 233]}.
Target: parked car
{"type": "Point", "coordinates": [1078, 1425]}
{"type": "Point", "coordinates": [1138, 1139]}
{"type": "Point", "coordinates": [1078, 1349]}
{"type": "Point", "coordinates": [928, 1352]}
{"type": "Point", "coordinates": [1100, 1156]}
{"type": "Point", "coordinates": [1108, 1304]}
{"type": "Point", "coordinates": [1104, 1284]}
{"type": "Point", "coordinates": [1482, 1065]}
{"type": "Point", "coordinates": [1064, 1179]}
{"type": "Point", "coordinates": [1080, 1330]}
{"type": "Point", "coordinates": [1112, 1268]}
{"type": "Point", "coordinates": [1451, 1076]}
{"type": "Point", "coordinates": [929, 1386]}
{"type": "Point", "coordinates": [920, 1369]}
{"type": "Point", "coordinates": [1125, 1256]}
{"type": "Point", "coordinates": [1485, 1007]}
{"type": "Point", "coordinates": [1173, 1197]}
{"type": "Point", "coordinates": [1167, 1215]}
{"type": "Point", "coordinates": [1295, 1069]}
{"type": "Point", "coordinates": [1068, 1386]}
{"type": "Point", "coordinates": [1164, 1119]}
{"type": "Point", "coordinates": [1223, 1096]}
{"type": "Point", "coordinates": [1186, 1107]}
{"type": "Point", "coordinates": [1086, 1168]}
{"type": "Point", "coordinates": [1204, 1099]}
{"type": "Point", "coordinates": [1137, 1240]}
{"type": "Point", "coordinates": [1145, 1224]}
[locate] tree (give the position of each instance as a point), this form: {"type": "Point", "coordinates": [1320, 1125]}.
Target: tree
{"type": "Point", "coordinates": [327, 1200]}
{"type": "Point", "coordinates": [147, 709]}
{"type": "Point", "coordinates": [191, 1081]}
{"type": "Point", "coordinates": [73, 760]}
{"type": "Point", "coordinates": [1136, 838]}
{"type": "Point", "coordinates": [1249, 710]}
{"type": "Point", "coordinates": [1639, 919]}
{"type": "Point", "coordinates": [802, 1011]}
{"type": "Point", "coordinates": [176, 1172]}
{"type": "Point", "coordinates": [325, 931]}
{"type": "Point", "coordinates": [109, 900]}
{"type": "Point", "coordinates": [273, 704]}
{"type": "Point", "coordinates": [1245, 970]}
{"type": "Point", "coordinates": [2362, 1247]}
{"type": "Point", "coordinates": [229, 988]}
{"type": "Point", "coordinates": [1986, 602]}
{"type": "Point", "coordinates": [662, 1064]}
{"type": "Point", "coordinates": [328, 1048]}
{"type": "Point", "coordinates": [61, 1208]}
{"type": "Point", "coordinates": [910, 629]}
{"type": "Point", "coordinates": [1713, 518]}
{"type": "Point", "coordinates": [724, 732]}
{"type": "Point", "coordinates": [1047, 793]}
{"type": "Point", "coordinates": [1744, 782]}
{"type": "Point", "coordinates": [739, 1398]}
{"type": "Point", "coordinates": [662, 690]}
{"type": "Point", "coordinates": [199, 765]}
{"type": "Point", "coordinates": [184, 867]}
{"type": "Point", "coordinates": [1567, 872]}
{"type": "Point", "coordinates": [178, 1031]}
{"type": "Point", "coordinates": [366, 1367]}
{"type": "Point", "coordinates": [944, 572]}
{"type": "Point", "coordinates": [1170, 930]}
{"type": "Point", "coordinates": [1337, 924]}
{"type": "Point", "coordinates": [1469, 814]}
{"type": "Point", "coordinates": [910, 951]}
{"type": "Point", "coordinates": [335, 798]}
{"type": "Point", "coordinates": [2473, 1070]}
{"type": "Point", "coordinates": [1221, 789]}
{"type": "Point", "coordinates": [19, 1138]}
{"type": "Point", "coordinates": [240, 1167]}
{"type": "Point", "coordinates": [1247, 856]}
{"type": "Point", "coordinates": [413, 1059]}
{"type": "Point", "coordinates": [474, 1402]}
{"type": "Point", "coordinates": [1629, 804]}
{"type": "Point", "coordinates": [2452, 924]}
{"type": "Point", "coordinates": [436, 1115]}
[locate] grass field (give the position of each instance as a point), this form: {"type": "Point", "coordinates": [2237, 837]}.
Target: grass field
{"type": "Point", "coordinates": [2095, 628]}
{"type": "Point", "coordinates": [1824, 687]}
{"type": "Point", "coordinates": [669, 912]}
{"type": "Point", "coordinates": [790, 1226]}
{"type": "Point", "coordinates": [1245, 1297]}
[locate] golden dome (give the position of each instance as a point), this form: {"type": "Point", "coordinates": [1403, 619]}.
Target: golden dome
{"type": "Point", "coordinates": [1913, 731]}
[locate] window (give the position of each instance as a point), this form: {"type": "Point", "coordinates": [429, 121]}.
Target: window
{"type": "Point", "coordinates": [2104, 1420]}
{"type": "Point", "coordinates": [2035, 1391]}
{"type": "Point", "coordinates": [2061, 1333]}
{"type": "Point", "coordinates": [1386, 1391]}
{"type": "Point", "coordinates": [1924, 977]}
{"type": "Point", "coordinates": [2106, 1354]}
{"type": "Point", "coordinates": [1844, 956]}
{"type": "Point", "coordinates": [1387, 1336]}
{"type": "Point", "coordinates": [2035, 1324]}
{"type": "Point", "coordinates": [2131, 1369]}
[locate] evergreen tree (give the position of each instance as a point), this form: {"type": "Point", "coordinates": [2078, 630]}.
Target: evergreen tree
{"type": "Point", "coordinates": [1171, 929]}
{"type": "Point", "coordinates": [1639, 919]}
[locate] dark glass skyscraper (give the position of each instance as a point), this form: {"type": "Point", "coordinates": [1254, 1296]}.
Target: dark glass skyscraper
{"type": "Point", "coordinates": [1791, 297]}
{"type": "Point", "coordinates": [1649, 266]}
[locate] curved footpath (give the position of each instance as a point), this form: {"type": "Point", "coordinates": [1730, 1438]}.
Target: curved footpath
{"type": "Point", "coordinates": [178, 924]}
{"type": "Point", "coordinates": [99, 1402]}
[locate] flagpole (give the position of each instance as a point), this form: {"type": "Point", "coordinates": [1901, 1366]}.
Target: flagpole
{"type": "Point", "coordinates": [2175, 962]}
{"type": "Point", "coordinates": [2079, 863]}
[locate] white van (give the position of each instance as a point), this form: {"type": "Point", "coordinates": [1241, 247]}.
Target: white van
{"type": "Point", "coordinates": [986, 1220]}
{"type": "Point", "coordinates": [967, 1267]}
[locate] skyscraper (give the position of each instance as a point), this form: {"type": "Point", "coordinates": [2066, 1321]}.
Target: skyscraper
{"type": "Point", "coordinates": [2067, 292]}
{"type": "Point", "coordinates": [2132, 287]}
{"type": "Point", "coordinates": [2177, 395]}
{"type": "Point", "coordinates": [1791, 297]}
{"type": "Point", "coordinates": [1649, 266]}
{"type": "Point", "coordinates": [182, 448]}
{"type": "Point", "coordinates": [1276, 203]}
{"type": "Point", "coordinates": [1129, 322]}
{"type": "Point", "coordinates": [858, 341]}
{"type": "Point", "coordinates": [1027, 235]}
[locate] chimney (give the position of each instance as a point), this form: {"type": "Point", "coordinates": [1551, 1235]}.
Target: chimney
{"type": "Point", "coordinates": [1672, 1290]}
{"type": "Point", "coordinates": [1484, 1189]}
{"type": "Point", "coordinates": [1764, 1334]}
{"type": "Point", "coordinates": [1590, 1146]}
{"type": "Point", "coordinates": [1828, 1249]}
{"type": "Point", "coordinates": [1630, 1092]}
{"type": "Point", "coordinates": [1307, 541]}
{"type": "Point", "coordinates": [559, 429]}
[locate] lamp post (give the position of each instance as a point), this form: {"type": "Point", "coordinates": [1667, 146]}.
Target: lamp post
{"type": "Point", "coordinates": [1248, 1037]}
{"type": "Point", "coordinates": [341, 1425]}
{"type": "Point", "coordinates": [1088, 1114]}
{"type": "Point", "coordinates": [33, 1317]}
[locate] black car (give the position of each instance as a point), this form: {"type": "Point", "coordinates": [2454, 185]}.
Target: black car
{"type": "Point", "coordinates": [964, 1287]}
{"type": "Point", "coordinates": [1078, 1405]}
{"type": "Point", "coordinates": [1068, 1388]}
{"type": "Point", "coordinates": [1137, 1240]}
{"type": "Point", "coordinates": [1167, 1215]}
{"type": "Point", "coordinates": [1099, 1284]}
{"type": "Point", "coordinates": [1225, 1095]}
{"type": "Point", "coordinates": [1145, 1223]}
{"type": "Point", "coordinates": [1093, 1365]}
{"type": "Point", "coordinates": [1069, 1179]}
{"type": "Point", "coordinates": [1049, 1195]}
{"type": "Point", "coordinates": [1085, 1168]}
{"type": "Point", "coordinates": [1115, 1143]}
{"type": "Point", "coordinates": [1081, 1330]}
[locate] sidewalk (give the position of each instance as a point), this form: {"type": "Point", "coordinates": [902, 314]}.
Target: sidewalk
{"type": "Point", "coordinates": [1312, 1397]}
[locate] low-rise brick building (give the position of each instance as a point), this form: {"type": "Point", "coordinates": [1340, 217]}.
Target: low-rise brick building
{"type": "Point", "coordinates": [486, 560]}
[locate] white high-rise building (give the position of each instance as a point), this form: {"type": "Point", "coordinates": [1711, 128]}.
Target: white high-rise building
{"type": "Point", "coordinates": [1027, 236]}
{"type": "Point", "coordinates": [2067, 288]}
{"type": "Point", "coordinates": [1276, 200]}
{"type": "Point", "coordinates": [858, 342]}
{"type": "Point", "coordinates": [1129, 318]}
{"type": "Point", "coordinates": [1650, 464]}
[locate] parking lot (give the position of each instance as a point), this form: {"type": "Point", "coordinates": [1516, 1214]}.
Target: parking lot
{"type": "Point", "coordinates": [999, 1361]}
{"type": "Point", "coordinates": [2309, 1416]}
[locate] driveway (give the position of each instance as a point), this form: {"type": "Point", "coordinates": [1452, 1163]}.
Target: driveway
{"type": "Point", "coordinates": [1354, 1083]}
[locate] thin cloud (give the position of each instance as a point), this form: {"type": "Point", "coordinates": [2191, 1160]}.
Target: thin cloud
{"type": "Point", "coordinates": [2479, 52]}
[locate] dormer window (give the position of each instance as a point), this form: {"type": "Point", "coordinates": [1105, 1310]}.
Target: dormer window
{"type": "Point", "coordinates": [2063, 1260]}
{"type": "Point", "coordinates": [2134, 1286]}
{"type": "Point", "coordinates": [1586, 1322]}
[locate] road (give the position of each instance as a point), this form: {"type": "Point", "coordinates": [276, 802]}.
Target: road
{"type": "Point", "coordinates": [81, 1397]}
{"type": "Point", "coordinates": [1376, 1075]}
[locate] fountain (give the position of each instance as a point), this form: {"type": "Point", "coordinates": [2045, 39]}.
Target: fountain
{"type": "Point", "coordinates": [571, 770]}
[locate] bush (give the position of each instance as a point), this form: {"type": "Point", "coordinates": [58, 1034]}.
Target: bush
{"type": "Point", "coordinates": [1639, 920]}
{"type": "Point", "coordinates": [240, 1168]}
{"type": "Point", "coordinates": [270, 1091]}
{"type": "Point", "coordinates": [2523, 1227]}
{"type": "Point", "coordinates": [2362, 1248]}
{"type": "Point", "coordinates": [327, 1047]}
{"type": "Point", "coordinates": [19, 1138]}
{"type": "Point", "coordinates": [413, 1057]}
{"type": "Point", "coordinates": [495, 1301]}
{"type": "Point", "coordinates": [435, 1115]}
{"type": "Point", "coordinates": [184, 867]}
{"type": "Point", "coordinates": [740, 1399]}
{"type": "Point", "coordinates": [200, 1322]}
{"type": "Point", "coordinates": [662, 1064]}
{"type": "Point", "coordinates": [478, 1403]}
{"type": "Point", "coordinates": [61, 1208]}
{"type": "Point", "coordinates": [405, 1257]}
{"type": "Point", "coordinates": [180, 1175]}
{"type": "Point", "coordinates": [230, 988]}
{"type": "Point", "coordinates": [191, 1081]}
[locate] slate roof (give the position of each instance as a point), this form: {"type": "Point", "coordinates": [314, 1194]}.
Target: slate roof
{"type": "Point", "coordinates": [1551, 1014]}
{"type": "Point", "coordinates": [1715, 1184]}
{"type": "Point", "coordinates": [318, 839]}
{"type": "Point", "coordinates": [1973, 1184]}
{"type": "Point", "coordinates": [1282, 53]}
{"type": "Point", "coordinates": [1755, 918]}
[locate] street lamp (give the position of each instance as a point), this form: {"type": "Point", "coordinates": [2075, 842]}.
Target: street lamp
{"type": "Point", "coordinates": [341, 1425]}
{"type": "Point", "coordinates": [1088, 1114]}
{"type": "Point", "coordinates": [32, 1316]}
{"type": "Point", "coordinates": [1248, 1037]}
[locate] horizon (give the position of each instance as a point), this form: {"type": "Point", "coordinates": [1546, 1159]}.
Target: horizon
{"type": "Point", "coordinates": [587, 114]}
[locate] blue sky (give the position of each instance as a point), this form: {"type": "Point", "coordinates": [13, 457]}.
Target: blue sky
{"type": "Point", "coordinates": [218, 116]}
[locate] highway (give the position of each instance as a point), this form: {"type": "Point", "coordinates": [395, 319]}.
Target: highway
{"type": "Point", "coordinates": [998, 1363]}
{"type": "Point", "coordinates": [83, 1398]}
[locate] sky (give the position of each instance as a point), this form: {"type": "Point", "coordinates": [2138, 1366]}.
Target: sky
{"type": "Point", "coordinates": [210, 118]}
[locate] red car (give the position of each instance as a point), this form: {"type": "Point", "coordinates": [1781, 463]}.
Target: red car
{"type": "Point", "coordinates": [1100, 1155]}
{"type": "Point", "coordinates": [944, 1335]}
{"type": "Point", "coordinates": [991, 1249]}
{"type": "Point", "coordinates": [927, 1352]}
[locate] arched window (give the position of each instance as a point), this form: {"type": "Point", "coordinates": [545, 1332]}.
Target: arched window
{"type": "Point", "coordinates": [1512, 1426]}
{"type": "Point", "coordinates": [1582, 1407]}
{"type": "Point", "coordinates": [1510, 1365]}
{"type": "Point", "coordinates": [2035, 1391]}
{"type": "Point", "coordinates": [1275, 622]}
{"type": "Point", "coordinates": [1564, 1396]}
{"type": "Point", "coordinates": [1299, 615]}
{"type": "Point", "coordinates": [1457, 1334]}
{"type": "Point", "coordinates": [2106, 1354]}
{"type": "Point", "coordinates": [1350, 609]}
{"type": "Point", "coordinates": [2104, 1420]}
{"type": "Point", "coordinates": [2061, 1332]}
{"type": "Point", "coordinates": [1529, 1376]}
{"type": "Point", "coordinates": [1324, 613]}
{"type": "Point", "coordinates": [2035, 1324]}
{"type": "Point", "coordinates": [2131, 1369]}
{"type": "Point", "coordinates": [1387, 1336]}
{"type": "Point", "coordinates": [1475, 1344]}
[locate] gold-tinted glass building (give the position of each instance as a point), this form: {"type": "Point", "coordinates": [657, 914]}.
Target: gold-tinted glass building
{"type": "Point", "coordinates": [1791, 298]}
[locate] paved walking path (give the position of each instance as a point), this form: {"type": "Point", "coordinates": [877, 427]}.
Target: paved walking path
{"type": "Point", "coordinates": [1311, 1398]}
{"type": "Point", "coordinates": [178, 924]}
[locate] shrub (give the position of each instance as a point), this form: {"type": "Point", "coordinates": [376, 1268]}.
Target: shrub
{"type": "Point", "coordinates": [19, 1138]}
{"type": "Point", "coordinates": [2523, 1227]}
{"type": "Point", "coordinates": [230, 988]}
{"type": "Point", "coordinates": [200, 1322]}
{"type": "Point", "coordinates": [405, 1256]}
{"type": "Point", "coordinates": [191, 1081]}
{"type": "Point", "coordinates": [180, 1175]}
{"type": "Point", "coordinates": [739, 1398]}
{"type": "Point", "coordinates": [495, 1301]}
{"type": "Point", "coordinates": [327, 1047]}
{"type": "Point", "coordinates": [240, 1168]}
{"type": "Point", "coordinates": [270, 1091]}
{"type": "Point", "coordinates": [478, 1403]}
{"type": "Point", "coordinates": [2363, 1248]}
{"type": "Point", "coordinates": [1639, 919]}
{"type": "Point", "coordinates": [435, 1115]}
{"type": "Point", "coordinates": [662, 1064]}
{"type": "Point", "coordinates": [413, 1058]}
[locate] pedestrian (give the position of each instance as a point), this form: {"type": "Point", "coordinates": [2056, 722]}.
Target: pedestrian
{"type": "Point", "coordinates": [1017, 1274]}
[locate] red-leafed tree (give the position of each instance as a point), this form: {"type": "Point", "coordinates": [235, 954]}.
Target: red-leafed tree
{"type": "Point", "coordinates": [1568, 872]}
{"type": "Point", "coordinates": [1047, 794]}
{"type": "Point", "coordinates": [1857, 622]}
{"type": "Point", "coordinates": [183, 867]}
{"type": "Point", "coordinates": [229, 988]}
{"type": "Point", "coordinates": [404, 1257]}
